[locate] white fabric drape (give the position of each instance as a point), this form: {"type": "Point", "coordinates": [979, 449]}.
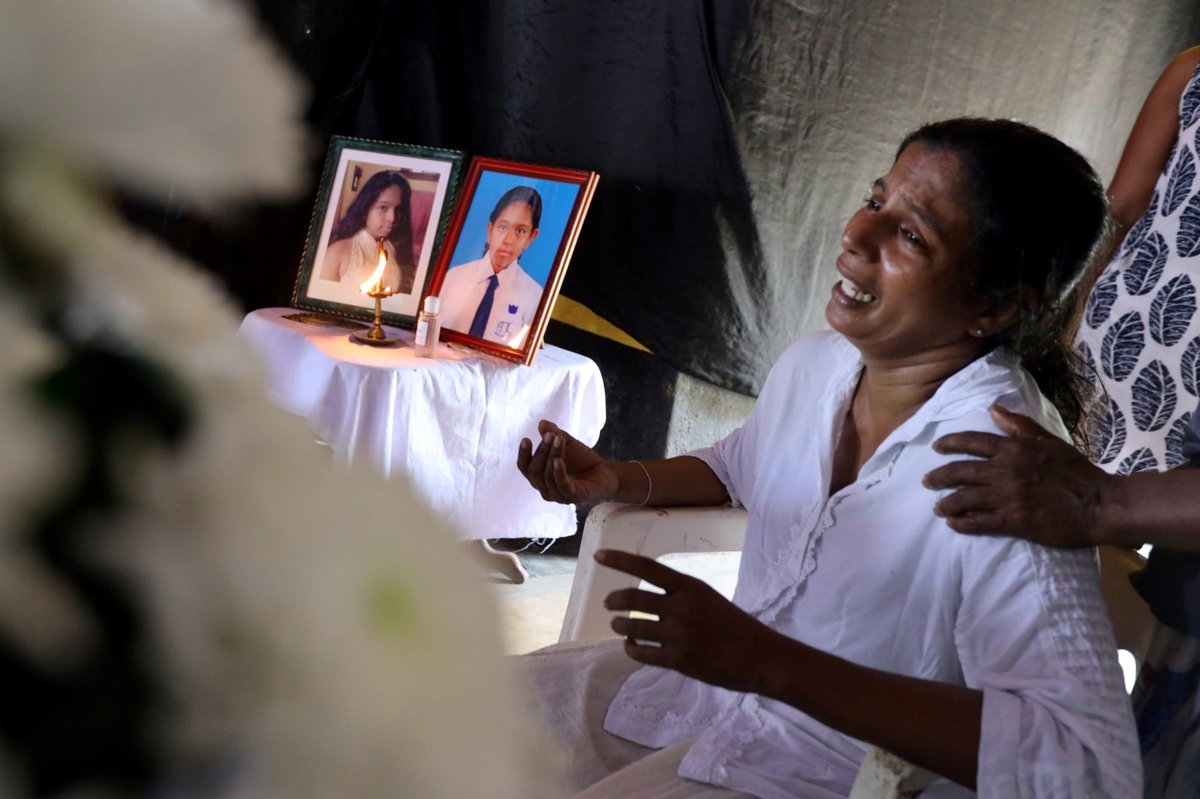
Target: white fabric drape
{"type": "Point", "coordinates": [451, 425]}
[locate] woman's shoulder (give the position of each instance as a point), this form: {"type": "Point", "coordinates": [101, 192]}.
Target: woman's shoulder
{"type": "Point", "coordinates": [1186, 63]}
{"type": "Point", "coordinates": [963, 401]}
{"type": "Point", "coordinates": [1177, 84]}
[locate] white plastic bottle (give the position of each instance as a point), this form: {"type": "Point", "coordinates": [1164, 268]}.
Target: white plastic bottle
{"type": "Point", "coordinates": [429, 327]}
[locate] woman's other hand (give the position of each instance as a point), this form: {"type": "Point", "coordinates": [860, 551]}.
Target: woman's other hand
{"type": "Point", "coordinates": [564, 470]}
{"type": "Point", "coordinates": [698, 632]}
{"type": "Point", "coordinates": [1029, 484]}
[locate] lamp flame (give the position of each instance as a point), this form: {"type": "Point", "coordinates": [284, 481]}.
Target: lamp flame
{"type": "Point", "coordinates": [375, 282]}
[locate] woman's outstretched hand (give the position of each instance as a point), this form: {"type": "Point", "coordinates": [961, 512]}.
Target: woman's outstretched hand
{"type": "Point", "coordinates": [698, 632]}
{"type": "Point", "coordinates": [564, 470]}
{"type": "Point", "coordinates": [1029, 484]}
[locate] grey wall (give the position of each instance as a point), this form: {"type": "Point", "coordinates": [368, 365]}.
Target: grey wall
{"type": "Point", "coordinates": [823, 90]}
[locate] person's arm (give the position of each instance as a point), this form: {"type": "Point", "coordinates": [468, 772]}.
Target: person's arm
{"type": "Point", "coordinates": [701, 634]}
{"type": "Point", "coordinates": [1159, 508]}
{"type": "Point", "coordinates": [1146, 152]}
{"type": "Point", "coordinates": [1149, 144]}
{"type": "Point", "coordinates": [564, 470]}
{"type": "Point", "coordinates": [1033, 485]}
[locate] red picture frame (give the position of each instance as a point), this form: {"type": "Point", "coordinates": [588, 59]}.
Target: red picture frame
{"type": "Point", "coordinates": [506, 252]}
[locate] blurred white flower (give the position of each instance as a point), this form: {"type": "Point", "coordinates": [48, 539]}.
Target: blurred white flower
{"type": "Point", "coordinates": [318, 633]}
{"type": "Point", "coordinates": [161, 95]}
{"type": "Point", "coordinates": [37, 450]}
{"type": "Point", "coordinates": [125, 288]}
{"type": "Point", "coordinates": [321, 626]}
{"type": "Point", "coordinates": [319, 629]}
{"type": "Point", "coordinates": [36, 609]}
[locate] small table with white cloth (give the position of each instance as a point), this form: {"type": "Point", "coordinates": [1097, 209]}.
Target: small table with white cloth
{"type": "Point", "coordinates": [450, 425]}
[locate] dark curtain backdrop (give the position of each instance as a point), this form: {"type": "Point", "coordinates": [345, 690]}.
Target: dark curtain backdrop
{"type": "Point", "coordinates": [634, 90]}
{"type": "Point", "coordinates": [733, 138]}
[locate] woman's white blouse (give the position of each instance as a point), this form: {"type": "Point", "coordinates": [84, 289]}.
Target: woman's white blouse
{"type": "Point", "coordinates": [871, 575]}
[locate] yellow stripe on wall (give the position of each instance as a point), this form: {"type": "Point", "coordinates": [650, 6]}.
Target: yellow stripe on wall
{"type": "Point", "coordinates": [576, 314]}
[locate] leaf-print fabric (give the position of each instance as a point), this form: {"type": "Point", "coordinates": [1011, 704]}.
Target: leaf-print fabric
{"type": "Point", "coordinates": [1175, 440]}
{"type": "Point", "coordinates": [1187, 241]}
{"type": "Point", "coordinates": [1100, 301]}
{"type": "Point", "coordinates": [1148, 261]}
{"type": "Point", "coordinates": [1172, 310]}
{"type": "Point", "coordinates": [1179, 187]}
{"type": "Point", "coordinates": [1138, 232]}
{"type": "Point", "coordinates": [1122, 345]}
{"type": "Point", "coordinates": [1107, 434]}
{"type": "Point", "coordinates": [1141, 330]}
{"type": "Point", "coordinates": [1138, 461]}
{"type": "Point", "coordinates": [1189, 368]}
{"type": "Point", "coordinates": [1154, 397]}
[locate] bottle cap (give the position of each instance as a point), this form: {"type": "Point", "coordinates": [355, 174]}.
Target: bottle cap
{"type": "Point", "coordinates": [432, 304]}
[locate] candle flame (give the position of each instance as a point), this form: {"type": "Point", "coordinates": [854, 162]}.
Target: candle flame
{"type": "Point", "coordinates": [375, 282]}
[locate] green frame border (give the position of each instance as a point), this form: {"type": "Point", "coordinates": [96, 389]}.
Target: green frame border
{"type": "Point", "coordinates": [337, 144]}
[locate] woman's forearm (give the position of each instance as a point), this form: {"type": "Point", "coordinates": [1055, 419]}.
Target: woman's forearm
{"type": "Point", "coordinates": [705, 636]}
{"type": "Point", "coordinates": [933, 725]}
{"type": "Point", "coordinates": [683, 480]}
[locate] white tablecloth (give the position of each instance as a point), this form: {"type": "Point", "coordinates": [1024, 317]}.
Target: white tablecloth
{"type": "Point", "coordinates": [450, 425]}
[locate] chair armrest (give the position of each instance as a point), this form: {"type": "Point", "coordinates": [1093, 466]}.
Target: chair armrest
{"type": "Point", "coordinates": [652, 532]}
{"type": "Point", "coordinates": [883, 775]}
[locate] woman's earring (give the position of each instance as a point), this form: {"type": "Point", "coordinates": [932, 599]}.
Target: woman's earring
{"type": "Point", "coordinates": [979, 332]}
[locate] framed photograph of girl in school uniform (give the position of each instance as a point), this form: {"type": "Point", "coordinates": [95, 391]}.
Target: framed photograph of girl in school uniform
{"type": "Point", "coordinates": [381, 214]}
{"type": "Point", "coordinates": [508, 248]}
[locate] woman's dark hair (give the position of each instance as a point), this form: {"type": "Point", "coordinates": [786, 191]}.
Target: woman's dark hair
{"type": "Point", "coordinates": [1040, 214]}
{"type": "Point", "coordinates": [355, 218]}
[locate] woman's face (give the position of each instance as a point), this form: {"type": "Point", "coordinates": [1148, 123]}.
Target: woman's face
{"type": "Point", "coordinates": [510, 234]}
{"type": "Point", "coordinates": [381, 218]}
{"type": "Point", "coordinates": [904, 290]}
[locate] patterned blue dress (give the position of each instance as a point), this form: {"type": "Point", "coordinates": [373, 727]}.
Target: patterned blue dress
{"type": "Point", "coordinates": [1141, 336]}
{"type": "Point", "coordinates": [1140, 330]}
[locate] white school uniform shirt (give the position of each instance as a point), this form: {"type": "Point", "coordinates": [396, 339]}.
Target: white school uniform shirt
{"type": "Point", "coordinates": [514, 304]}
{"type": "Point", "coordinates": [871, 575]}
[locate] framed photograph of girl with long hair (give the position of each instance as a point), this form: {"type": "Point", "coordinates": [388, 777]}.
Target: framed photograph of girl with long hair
{"type": "Point", "coordinates": [506, 254]}
{"type": "Point", "coordinates": [379, 220]}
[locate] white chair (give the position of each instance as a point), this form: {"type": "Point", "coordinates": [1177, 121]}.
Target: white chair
{"type": "Point", "coordinates": [655, 532]}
